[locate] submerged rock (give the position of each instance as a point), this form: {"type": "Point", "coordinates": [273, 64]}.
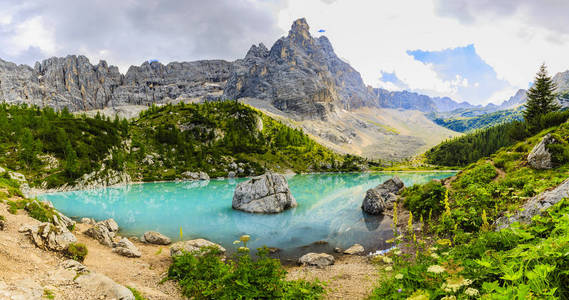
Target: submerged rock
{"type": "Point", "coordinates": [535, 206]}
{"type": "Point", "coordinates": [355, 249]}
{"type": "Point", "coordinates": [126, 248]}
{"type": "Point", "coordinates": [153, 237]}
{"type": "Point", "coordinates": [316, 259]}
{"type": "Point", "coordinates": [268, 193]}
{"type": "Point", "coordinates": [180, 248]}
{"type": "Point", "coordinates": [382, 197]}
{"type": "Point", "coordinates": [539, 157]}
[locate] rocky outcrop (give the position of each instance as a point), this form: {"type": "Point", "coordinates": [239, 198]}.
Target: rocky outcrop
{"type": "Point", "coordinates": [104, 232]}
{"type": "Point", "coordinates": [299, 74]}
{"type": "Point", "coordinates": [126, 248]}
{"type": "Point", "coordinates": [382, 197]}
{"type": "Point", "coordinates": [355, 249]}
{"type": "Point", "coordinates": [190, 246]}
{"type": "Point", "coordinates": [268, 193]}
{"type": "Point", "coordinates": [317, 260]}
{"type": "Point", "coordinates": [153, 237]}
{"type": "Point", "coordinates": [48, 236]}
{"type": "Point", "coordinates": [195, 175]}
{"type": "Point", "coordinates": [539, 157]}
{"type": "Point", "coordinates": [75, 83]}
{"type": "Point", "coordinates": [535, 206]}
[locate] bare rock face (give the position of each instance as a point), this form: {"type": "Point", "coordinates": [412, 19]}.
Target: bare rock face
{"type": "Point", "coordinates": [299, 74]}
{"type": "Point", "coordinates": [153, 237]}
{"type": "Point", "coordinates": [48, 236]}
{"type": "Point", "coordinates": [382, 197]}
{"type": "Point", "coordinates": [73, 82]}
{"type": "Point", "coordinates": [535, 206]}
{"type": "Point", "coordinates": [317, 260]}
{"type": "Point", "coordinates": [539, 157]}
{"type": "Point", "coordinates": [126, 248]}
{"type": "Point", "coordinates": [180, 248]}
{"type": "Point", "coordinates": [268, 193]}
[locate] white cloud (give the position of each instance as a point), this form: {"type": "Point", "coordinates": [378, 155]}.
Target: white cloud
{"type": "Point", "coordinates": [374, 35]}
{"type": "Point", "coordinates": [31, 33]}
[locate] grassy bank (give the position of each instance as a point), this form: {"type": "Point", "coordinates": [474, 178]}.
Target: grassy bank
{"type": "Point", "coordinates": [455, 252]}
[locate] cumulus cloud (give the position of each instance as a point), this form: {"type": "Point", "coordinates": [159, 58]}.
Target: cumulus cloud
{"type": "Point", "coordinates": [462, 65]}
{"type": "Point", "coordinates": [130, 32]}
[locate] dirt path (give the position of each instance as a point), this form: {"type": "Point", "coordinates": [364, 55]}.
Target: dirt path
{"type": "Point", "coordinates": [351, 277]}
{"type": "Point", "coordinates": [501, 173]}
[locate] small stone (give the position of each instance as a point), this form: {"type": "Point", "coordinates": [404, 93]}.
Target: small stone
{"type": "Point", "coordinates": [317, 259]}
{"type": "Point", "coordinates": [355, 249]}
{"type": "Point", "coordinates": [153, 237]}
{"type": "Point", "coordinates": [180, 248]}
{"type": "Point", "coordinates": [126, 248]}
{"type": "Point", "coordinates": [338, 250]}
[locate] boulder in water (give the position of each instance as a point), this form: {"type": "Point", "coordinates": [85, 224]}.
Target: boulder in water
{"type": "Point", "coordinates": [268, 193]}
{"type": "Point", "coordinates": [382, 197]}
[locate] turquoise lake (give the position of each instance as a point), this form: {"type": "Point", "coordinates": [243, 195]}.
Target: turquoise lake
{"type": "Point", "coordinates": [328, 210]}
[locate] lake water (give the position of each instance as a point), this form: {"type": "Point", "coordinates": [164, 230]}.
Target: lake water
{"type": "Point", "coordinates": [328, 211]}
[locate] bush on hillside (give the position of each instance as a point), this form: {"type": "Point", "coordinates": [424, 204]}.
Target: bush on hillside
{"type": "Point", "coordinates": [425, 200]}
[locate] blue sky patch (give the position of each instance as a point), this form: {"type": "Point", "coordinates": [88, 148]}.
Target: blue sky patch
{"type": "Point", "coordinates": [481, 79]}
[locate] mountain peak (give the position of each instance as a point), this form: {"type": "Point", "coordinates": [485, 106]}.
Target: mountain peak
{"type": "Point", "coordinates": [299, 30]}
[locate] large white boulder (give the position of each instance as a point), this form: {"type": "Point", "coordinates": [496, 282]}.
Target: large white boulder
{"type": "Point", "coordinates": [268, 193]}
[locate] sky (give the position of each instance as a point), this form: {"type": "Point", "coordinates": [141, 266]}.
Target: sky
{"type": "Point", "coordinates": [477, 51]}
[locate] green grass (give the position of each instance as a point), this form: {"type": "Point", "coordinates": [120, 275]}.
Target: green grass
{"type": "Point", "coordinates": [137, 294]}
{"type": "Point", "coordinates": [458, 253]}
{"type": "Point", "coordinates": [76, 251]}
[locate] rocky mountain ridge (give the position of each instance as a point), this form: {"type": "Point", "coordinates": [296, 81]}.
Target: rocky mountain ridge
{"type": "Point", "coordinates": [299, 74]}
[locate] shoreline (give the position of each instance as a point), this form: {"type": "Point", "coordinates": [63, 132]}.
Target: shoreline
{"type": "Point", "coordinates": [34, 192]}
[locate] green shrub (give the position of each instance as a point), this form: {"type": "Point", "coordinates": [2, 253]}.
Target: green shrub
{"type": "Point", "coordinates": [478, 174]}
{"type": "Point", "coordinates": [76, 251]}
{"type": "Point", "coordinates": [40, 211]}
{"type": "Point", "coordinates": [2, 218]}
{"type": "Point", "coordinates": [203, 275]}
{"type": "Point", "coordinates": [426, 199]}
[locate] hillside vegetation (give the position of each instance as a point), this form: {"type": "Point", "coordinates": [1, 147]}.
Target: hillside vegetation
{"type": "Point", "coordinates": [456, 252]}
{"type": "Point", "coordinates": [466, 124]}
{"type": "Point", "coordinates": [466, 149]}
{"type": "Point", "coordinates": [56, 148]}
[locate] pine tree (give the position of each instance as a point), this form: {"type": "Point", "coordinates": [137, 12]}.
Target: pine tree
{"type": "Point", "coordinates": [541, 99]}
